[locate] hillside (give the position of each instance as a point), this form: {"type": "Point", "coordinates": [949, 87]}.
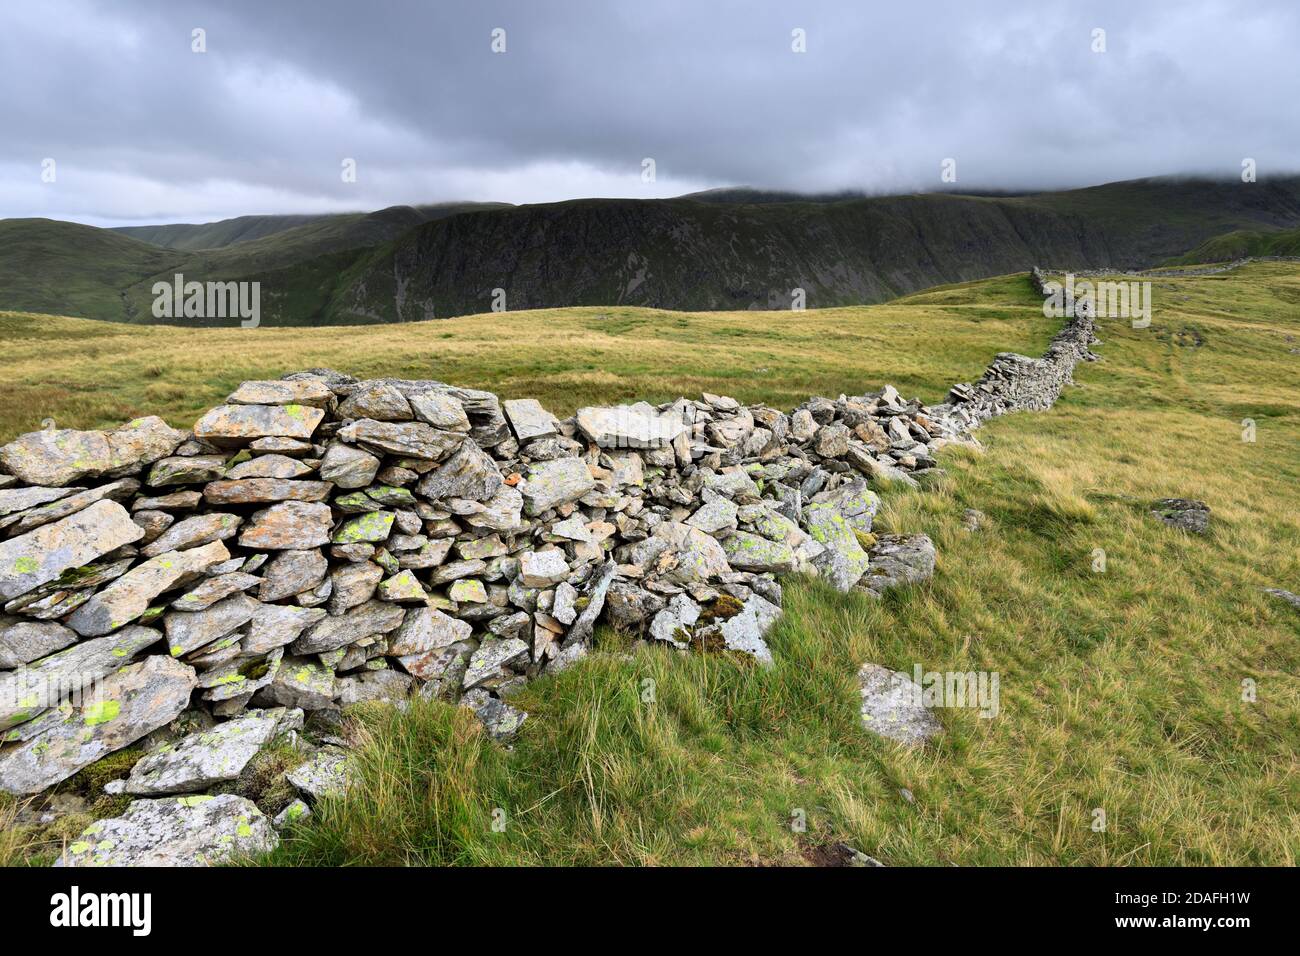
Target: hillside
{"type": "Point", "coordinates": [411, 263]}
{"type": "Point", "coordinates": [1242, 243]}
{"type": "Point", "coordinates": [717, 255]}
{"type": "Point", "coordinates": [1121, 689]}
{"type": "Point", "coordinates": [192, 237]}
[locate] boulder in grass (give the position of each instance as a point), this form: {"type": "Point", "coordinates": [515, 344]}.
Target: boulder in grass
{"type": "Point", "coordinates": [174, 831]}
{"type": "Point", "coordinates": [892, 706]}
{"type": "Point", "coordinates": [1184, 514]}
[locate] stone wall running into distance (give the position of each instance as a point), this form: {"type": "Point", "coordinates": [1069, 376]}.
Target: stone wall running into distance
{"type": "Point", "coordinates": [318, 541]}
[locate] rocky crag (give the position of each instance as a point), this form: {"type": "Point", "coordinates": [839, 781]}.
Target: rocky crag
{"type": "Point", "coordinates": [318, 541]}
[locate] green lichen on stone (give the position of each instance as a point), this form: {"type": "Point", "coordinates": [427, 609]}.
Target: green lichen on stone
{"type": "Point", "coordinates": [101, 712]}
{"type": "Point", "coordinates": [374, 526]}
{"type": "Point", "coordinates": [26, 565]}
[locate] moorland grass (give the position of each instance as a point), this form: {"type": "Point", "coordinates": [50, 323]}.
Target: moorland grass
{"type": "Point", "coordinates": [1121, 690]}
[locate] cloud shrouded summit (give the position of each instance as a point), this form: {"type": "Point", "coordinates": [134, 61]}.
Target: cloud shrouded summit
{"type": "Point", "coordinates": [143, 129]}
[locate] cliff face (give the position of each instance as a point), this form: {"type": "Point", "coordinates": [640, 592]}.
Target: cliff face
{"type": "Point", "coordinates": [684, 254]}
{"type": "Point", "coordinates": [407, 264]}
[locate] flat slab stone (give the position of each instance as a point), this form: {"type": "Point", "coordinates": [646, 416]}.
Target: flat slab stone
{"type": "Point", "coordinates": [60, 456]}
{"type": "Point", "coordinates": [42, 555]}
{"type": "Point", "coordinates": [257, 491]}
{"type": "Point", "coordinates": [404, 439]}
{"type": "Point", "coordinates": [188, 631]}
{"type": "Point", "coordinates": [176, 831]}
{"type": "Point", "coordinates": [892, 706]}
{"type": "Point", "coordinates": [528, 418]}
{"type": "Point", "coordinates": [128, 597]}
{"type": "Point", "coordinates": [279, 392]}
{"type": "Point", "coordinates": [130, 703]}
{"type": "Point", "coordinates": [228, 425]}
{"type": "Point", "coordinates": [14, 500]}
{"type": "Point", "coordinates": [23, 641]}
{"type": "Point", "coordinates": [288, 526]}
{"type": "Point", "coordinates": [335, 631]}
{"type": "Point", "coordinates": [200, 760]}
{"type": "Point", "coordinates": [49, 681]}
{"type": "Point", "coordinates": [193, 531]}
{"type": "Point", "coordinates": [64, 507]}
{"type": "Point", "coordinates": [629, 426]}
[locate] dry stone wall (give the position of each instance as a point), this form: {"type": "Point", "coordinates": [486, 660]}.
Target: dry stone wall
{"type": "Point", "coordinates": [318, 541]}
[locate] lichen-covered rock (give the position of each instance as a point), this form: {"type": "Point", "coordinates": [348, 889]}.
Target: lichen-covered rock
{"type": "Point", "coordinates": [58, 457]}
{"type": "Point", "coordinates": [67, 674]}
{"type": "Point", "coordinates": [892, 706]}
{"type": "Point", "coordinates": [42, 555]}
{"type": "Point", "coordinates": [202, 759]}
{"type": "Point", "coordinates": [24, 641]}
{"type": "Point", "coordinates": [175, 831]}
{"type": "Point", "coordinates": [469, 473]}
{"type": "Point", "coordinates": [745, 631]}
{"type": "Point", "coordinates": [750, 552]}
{"type": "Point", "coordinates": [128, 704]}
{"type": "Point", "coordinates": [373, 526]}
{"type": "Point", "coordinates": [550, 484]}
{"type": "Point", "coordinates": [1183, 513]}
{"type": "Point", "coordinates": [492, 655]}
{"type": "Point", "coordinates": [501, 720]}
{"type": "Point", "coordinates": [228, 425]}
{"type": "Point", "coordinates": [300, 682]}
{"type": "Point", "coordinates": [327, 774]}
{"type": "Point", "coordinates": [288, 526]}
{"type": "Point", "coordinates": [897, 560]}
{"type": "Point", "coordinates": [128, 597]}
{"type": "Point", "coordinates": [629, 426]}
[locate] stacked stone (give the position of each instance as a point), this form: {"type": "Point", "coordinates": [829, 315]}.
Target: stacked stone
{"type": "Point", "coordinates": [1013, 383]}
{"type": "Point", "coordinates": [318, 541]}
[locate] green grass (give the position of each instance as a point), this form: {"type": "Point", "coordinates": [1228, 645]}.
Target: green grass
{"type": "Point", "coordinates": [1241, 243]}
{"type": "Point", "coordinates": [1120, 690]}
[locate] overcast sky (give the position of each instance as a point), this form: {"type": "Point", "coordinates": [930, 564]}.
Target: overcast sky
{"type": "Point", "coordinates": [143, 129]}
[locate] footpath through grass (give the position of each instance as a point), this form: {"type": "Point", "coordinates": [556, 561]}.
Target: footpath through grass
{"type": "Point", "coordinates": [1120, 690]}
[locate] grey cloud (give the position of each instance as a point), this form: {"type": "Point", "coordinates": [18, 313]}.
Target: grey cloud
{"type": "Point", "coordinates": [144, 129]}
